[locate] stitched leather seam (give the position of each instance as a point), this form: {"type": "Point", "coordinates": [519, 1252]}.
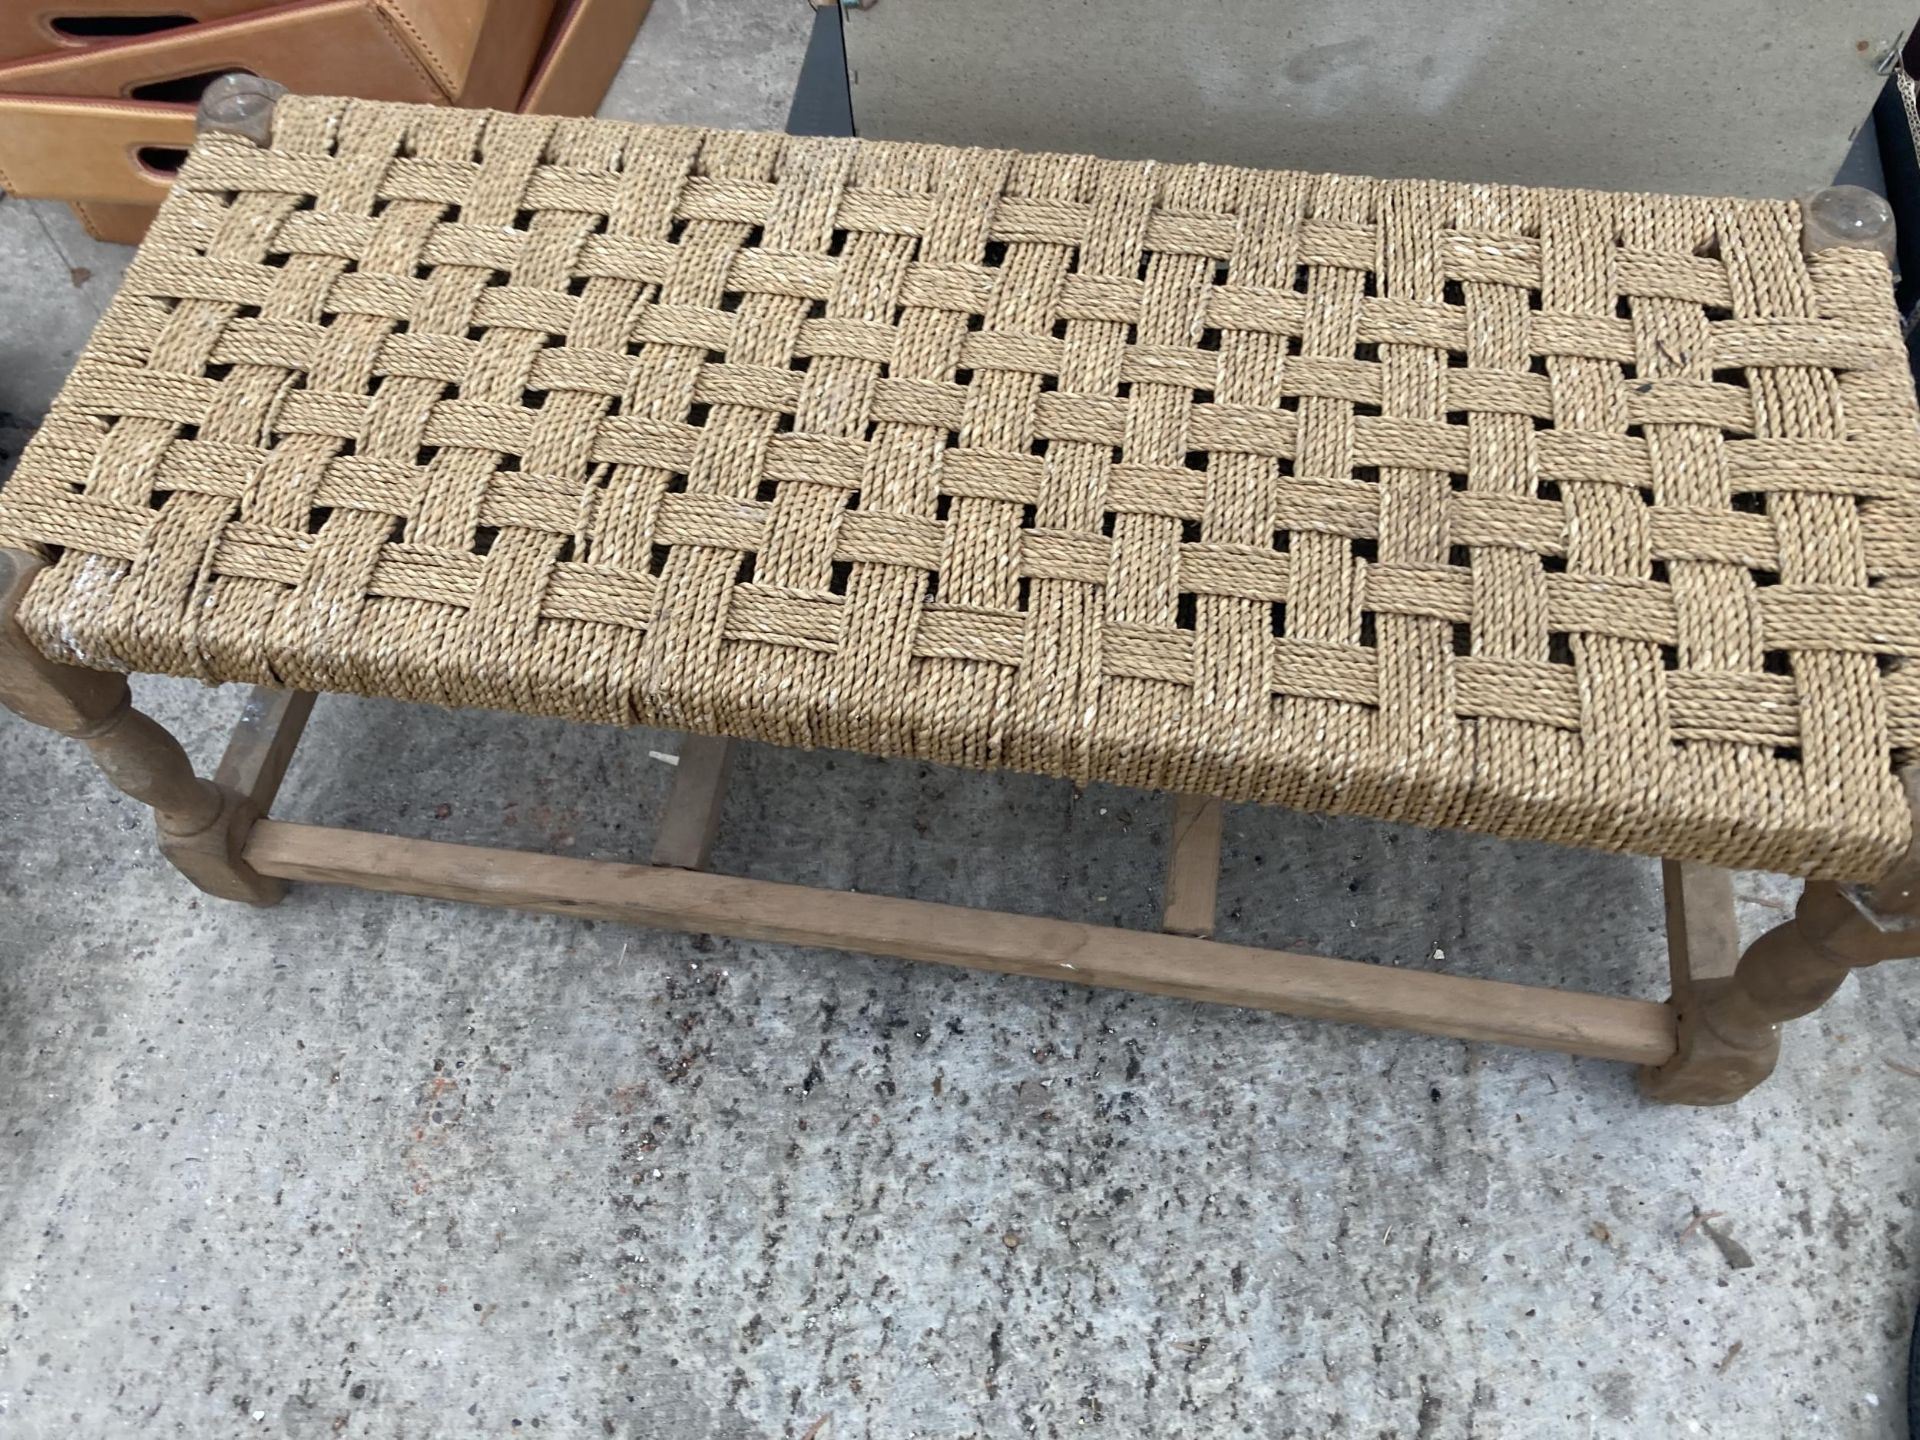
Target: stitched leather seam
{"type": "Point", "coordinates": [442, 77]}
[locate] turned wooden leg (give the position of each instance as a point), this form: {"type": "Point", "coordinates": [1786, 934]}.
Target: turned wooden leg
{"type": "Point", "coordinates": [1728, 1020]}
{"type": "Point", "coordinates": [1728, 1024]}
{"type": "Point", "coordinates": [1703, 953]}
{"type": "Point", "coordinates": [203, 826]}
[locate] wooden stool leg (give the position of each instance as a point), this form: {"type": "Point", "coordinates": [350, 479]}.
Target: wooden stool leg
{"type": "Point", "coordinates": [262, 744]}
{"type": "Point", "coordinates": [1729, 1024]}
{"type": "Point", "coordinates": [203, 827]}
{"type": "Point", "coordinates": [691, 821]}
{"type": "Point", "coordinates": [1193, 866]}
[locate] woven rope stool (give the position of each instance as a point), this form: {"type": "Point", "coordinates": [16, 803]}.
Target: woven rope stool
{"type": "Point", "coordinates": [1554, 515]}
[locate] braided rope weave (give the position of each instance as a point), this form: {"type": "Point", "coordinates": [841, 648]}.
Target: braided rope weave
{"type": "Point", "coordinates": [1581, 517]}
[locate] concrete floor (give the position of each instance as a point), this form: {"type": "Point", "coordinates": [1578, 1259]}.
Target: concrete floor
{"type": "Point", "coordinates": [381, 1167]}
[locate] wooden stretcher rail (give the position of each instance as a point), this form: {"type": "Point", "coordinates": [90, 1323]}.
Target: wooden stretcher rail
{"type": "Point", "coordinates": [1637, 1031]}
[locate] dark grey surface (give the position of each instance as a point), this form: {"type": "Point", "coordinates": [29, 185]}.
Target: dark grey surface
{"type": "Point", "coordinates": [1713, 96]}
{"type": "Point", "coordinates": [822, 103]}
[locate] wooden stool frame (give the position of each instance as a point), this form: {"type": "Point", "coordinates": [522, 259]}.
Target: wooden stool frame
{"type": "Point", "coordinates": [1711, 1042]}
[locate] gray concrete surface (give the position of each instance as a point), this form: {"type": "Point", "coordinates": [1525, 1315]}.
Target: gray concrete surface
{"type": "Point", "coordinates": [388, 1168]}
{"type": "Point", "coordinates": [1713, 97]}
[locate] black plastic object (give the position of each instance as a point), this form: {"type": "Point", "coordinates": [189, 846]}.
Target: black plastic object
{"type": "Point", "coordinates": [822, 99]}
{"type": "Point", "coordinates": [1900, 161]}
{"type": "Point", "coordinates": [1913, 1382]}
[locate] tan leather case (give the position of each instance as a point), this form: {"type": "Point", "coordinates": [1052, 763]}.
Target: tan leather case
{"type": "Point", "coordinates": [585, 49]}
{"type": "Point", "coordinates": [27, 27]}
{"type": "Point", "coordinates": [81, 149]}
{"type": "Point", "coordinates": [480, 52]}
{"type": "Point", "coordinates": [331, 47]}
{"type": "Point", "coordinates": [85, 151]}
{"type": "Point", "coordinates": [464, 52]}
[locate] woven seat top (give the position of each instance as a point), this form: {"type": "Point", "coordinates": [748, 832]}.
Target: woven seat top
{"type": "Point", "coordinates": [1581, 517]}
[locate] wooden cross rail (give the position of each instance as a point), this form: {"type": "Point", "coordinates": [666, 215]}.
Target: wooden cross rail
{"type": "Point", "coordinates": [1711, 1042]}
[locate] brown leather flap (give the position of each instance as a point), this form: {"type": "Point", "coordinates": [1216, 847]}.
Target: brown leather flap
{"type": "Point", "coordinates": [480, 52]}
{"type": "Point", "coordinates": [590, 40]}
{"type": "Point", "coordinates": [73, 149]}
{"type": "Point", "coordinates": [115, 224]}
